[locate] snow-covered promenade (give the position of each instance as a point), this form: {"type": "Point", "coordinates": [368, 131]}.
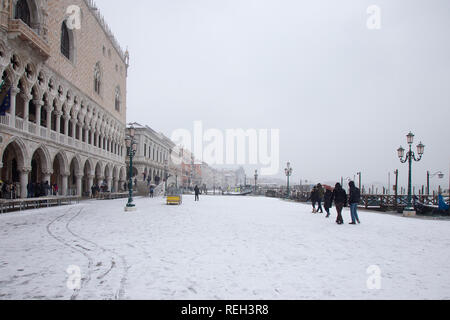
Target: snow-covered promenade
{"type": "Point", "coordinates": [219, 248]}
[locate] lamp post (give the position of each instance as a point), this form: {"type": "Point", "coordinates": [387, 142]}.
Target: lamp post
{"type": "Point", "coordinates": [410, 156]}
{"type": "Point", "coordinates": [256, 180]}
{"type": "Point", "coordinates": [288, 172]}
{"type": "Point", "coordinates": [439, 174]}
{"type": "Point", "coordinates": [131, 150]}
{"type": "Point", "coordinates": [166, 174]}
{"type": "Point", "coordinates": [359, 175]}
{"type": "Point", "coordinates": [192, 170]}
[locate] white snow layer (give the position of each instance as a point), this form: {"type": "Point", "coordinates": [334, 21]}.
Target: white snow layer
{"type": "Point", "coordinates": [219, 248]}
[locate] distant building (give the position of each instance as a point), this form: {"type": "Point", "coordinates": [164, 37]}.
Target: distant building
{"type": "Point", "coordinates": [152, 155]}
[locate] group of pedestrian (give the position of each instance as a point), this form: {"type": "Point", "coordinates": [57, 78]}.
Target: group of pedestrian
{"type": "Point", "coordinates": [96, 189]}
{"type": "Point", "coordinates": [9, 190]}
{"type": "Point", "coordinates": [316, 197]}
{"type": "Point", "coordinates": [41, 189]}
{"type": "Point", "coordinates": [339, 197]}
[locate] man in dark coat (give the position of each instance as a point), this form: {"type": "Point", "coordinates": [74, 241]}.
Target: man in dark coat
{"type": "Point", "coordinates": [313, 198]}
{"type": "Point", "coordinates": [354, 199]}
{"type": "Point", "coordinates": [328, 201]}
{"type": "Point", "coordinates": [197, 193]}
{"type": "Point", "coordinates": [340, 201]}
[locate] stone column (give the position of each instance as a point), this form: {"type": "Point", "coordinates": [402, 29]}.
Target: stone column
{"type": "Point", "coordinates": [86, 135]}
{"type": "Point", "coordinates": [80, 131]}
{"type": "Point", "coordinates": [24, 173]}
{"type": "Point", "coordinates": [97, 140]}
{"type": "Point", "coordinates": [26, 111]}
{"type": "Point", "coordinates": [79, 178]}
{"type": "Point", "coordinates": [116, 185]}
{"type": "Point", "coordinates": [66, 124]}
{"type": "Point", "coordinates": [109, 182]}
{"type": "Point", "coordinates": [12, 108]}
{"type": "Point", "coordinates": [92, 136]}
{"type": "Point", "coordinates": [65, 182]}
{"type": "Point", "coordinates": [58, 121]}
{"type": "Point", "coordinates": [38, 104]}
{"type": "Point", "coordinates": [49, 119]}
{"type": "Point", "coordinates": [74, 127]}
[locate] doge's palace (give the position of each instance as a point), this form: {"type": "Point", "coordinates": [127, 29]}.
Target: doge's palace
{"type": "Point", "coordinates": [66, 77]}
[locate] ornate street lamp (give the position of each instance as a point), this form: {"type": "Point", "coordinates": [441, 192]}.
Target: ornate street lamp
{"type": "Point", "coordinates": [439, 174]}
{"type": "Point", "coordinates": [166, 172]}
{"type": "Point", "coordinates": [131, 152]}
{"type": "Point", "coordinates": [256, 180]}
{"type": "Point", "coordinates": [288, 172]}
{"type": "Point", "coordinates": [410, 156]}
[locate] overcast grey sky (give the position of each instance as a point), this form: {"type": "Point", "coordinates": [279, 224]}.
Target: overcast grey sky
{"type": "Point", "coordinates": [343, 96]}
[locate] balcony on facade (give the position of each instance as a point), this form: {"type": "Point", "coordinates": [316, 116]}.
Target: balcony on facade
{"type": "Point", "coordinates": [101, 148]}
{"type": "Point", "coordinates": [17, 28]}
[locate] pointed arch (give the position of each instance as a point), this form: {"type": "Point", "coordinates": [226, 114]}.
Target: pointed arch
{"type": "Point", "coordinates": [44, 155]}
{"type": "Point", "coordinates": [89, 167]}
{"type": "Point", "coordinates": [97, 78]}
{"type": "Point", "coordinates": [99, 169]}
{"type": "Point", "coordinates": [108, 171]}
{"type": "Point", "coordinates": [29, 12]}
{"type": "Point", "coordinates": [76, 164]}
{"type": "Point", "coordinates": [61, 162]}
{"type": "Point", "coordinates": [20, 149]}
{"type": "Point", "coordinates": [65, 41]}
{"type": "Point", "coordinates": [22, 11]}
{"type": "Point", "coordinates": [123, 174]}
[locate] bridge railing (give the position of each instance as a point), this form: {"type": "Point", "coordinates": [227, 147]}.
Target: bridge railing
{"type": "Point", "coordinates": [368, 201]}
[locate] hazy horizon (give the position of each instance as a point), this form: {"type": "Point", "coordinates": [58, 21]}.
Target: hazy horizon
{"type": "Point", "coordinates": [343, 96]}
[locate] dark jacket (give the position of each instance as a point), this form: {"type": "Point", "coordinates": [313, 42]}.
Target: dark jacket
{"type": "Point", "coordinates": [197, 191]}
{"type": "Point", "coordinates": [314, 196]}
{"type": "Point", "coordinates": [328, 199]}
{"type": "Point", "coordinates": [320, 192]}
{"type": "Point", "coordinates": [355, 194]}
{"type": "Point", "coordinates": [339, 195]}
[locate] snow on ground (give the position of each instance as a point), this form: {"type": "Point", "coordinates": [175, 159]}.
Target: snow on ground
{"type": "Point", "coordinates": [219, 248]}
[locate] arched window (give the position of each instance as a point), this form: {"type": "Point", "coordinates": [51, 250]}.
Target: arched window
{"type": "Point", "coordinates": [117, 99]}
{"type": "Point", "coordinates": [65, 41]}
{"type": "Point", "coordinates": [97, 78]}
{"type": "Point", "coordinates": [23, 12]}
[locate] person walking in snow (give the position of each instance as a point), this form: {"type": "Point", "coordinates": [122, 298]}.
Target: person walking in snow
{"type": "Point", "coordinates": [313, 198]}
{"type": "Point", "coordinates": [320, 194]}
{"type": "Point", "coordinates": [340, 201]}
{"type": "Point", "coordinates": [354, 199]}
{"type": "Point", "coordinates": [152, 191]}
{"type": "Point", "coordinates": [328, 200]}
{"type": "Point", "coordinates": [197, 193]}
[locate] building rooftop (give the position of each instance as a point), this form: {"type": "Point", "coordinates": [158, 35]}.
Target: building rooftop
{"type": "Point", "coordinates": [101, 20]}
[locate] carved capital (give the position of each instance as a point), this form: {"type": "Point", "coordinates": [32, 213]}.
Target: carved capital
{"type": "Point", "coordinates": [25, 170]}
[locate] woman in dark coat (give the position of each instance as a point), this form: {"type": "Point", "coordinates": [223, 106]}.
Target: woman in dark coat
{"type": "Point", "coordinates": [340, 201]}
{"type": "Point", "coordinates": [328, 201]}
